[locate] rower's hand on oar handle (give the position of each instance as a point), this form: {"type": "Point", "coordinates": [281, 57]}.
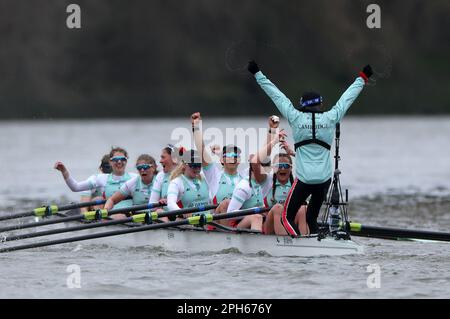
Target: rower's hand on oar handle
{"type": "Point", "coordinates": [252, 67]}
{"type": "Point", "coordinates": [62, 168]}
{"type": "Point", "coordinates": [163, 201]}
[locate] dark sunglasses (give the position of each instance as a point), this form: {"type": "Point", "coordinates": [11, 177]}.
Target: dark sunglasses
{"type": "Point", "coordinates": [118, 159]}
{"type": "Point", "coordinates": [283, 165]}
{"type": "Point", "coordinates": [143, 166]}
{"type": "Point", "coordinates": [194, 165]}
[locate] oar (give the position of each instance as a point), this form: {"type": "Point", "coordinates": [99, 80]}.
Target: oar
{"type": "Point", "coordinates": [396, 233]}
{"type": "Point", "coordinates": [92, 215]}
{"type": "Point", "coordinates": [51, 210]}
{"type": "Point", "coordinates": [195, 220]}
{"type": "Point", "coordinates": [138, 218]}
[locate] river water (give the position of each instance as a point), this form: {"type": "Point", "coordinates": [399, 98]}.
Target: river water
{"type": "Point", "coordinates": [397, 171]}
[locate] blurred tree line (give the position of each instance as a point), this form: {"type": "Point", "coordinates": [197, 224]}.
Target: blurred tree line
{"type": "Point", "coordinates": [154, 58]}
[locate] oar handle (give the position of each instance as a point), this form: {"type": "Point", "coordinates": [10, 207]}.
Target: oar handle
{"type": "Point", "coordinates": [134, 208]}
{"type": "Point", "coordinates": [154, 216]}
{"type": "Point", "coordinates": [240, 213]}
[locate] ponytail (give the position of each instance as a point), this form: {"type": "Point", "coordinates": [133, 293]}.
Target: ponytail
{"type": "Point", "coordinates": [177, 171]}
{"type": "Point", "coordinates": [274, 187]}
{"type": "Point", "coordinates": [250, 175]}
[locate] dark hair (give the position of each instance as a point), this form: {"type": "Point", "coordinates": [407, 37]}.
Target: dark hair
{"type": "Point", "coordinates": [311, 96]}
{"type": "Point", "coordinates": [310, 101]}
{"type": "Point", "coordinates": [274, 182]}
{"type": "Point", "coordinates": [250, 174]}
{"type": "Point", "coordinates": [169, 149]}
{"type": "Point", "coordinates": [105, 167]}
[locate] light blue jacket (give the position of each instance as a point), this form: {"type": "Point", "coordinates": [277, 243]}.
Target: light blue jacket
{"type": "Point", "coordinates": [313, 163]}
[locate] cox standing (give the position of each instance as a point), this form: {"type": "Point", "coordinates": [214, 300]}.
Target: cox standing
{"type": "Point", "coordinates": [313, 131]}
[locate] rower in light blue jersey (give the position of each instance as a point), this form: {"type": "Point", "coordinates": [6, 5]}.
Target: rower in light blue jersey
{"type": "Point", "coordinates": [223, 177]}
{"type": "Point", "coordinates": [188, 187]}
{"type": "Point", "coordinates": [97, 193]}
{"type": "Point", "coordinates": [109, 182]}
{"type": "Point", "coordinates": [313, 131]}
{"type": "Point", "coordinates": [162, 180]}
{"type": "Point", "coordinates": [138, 188]}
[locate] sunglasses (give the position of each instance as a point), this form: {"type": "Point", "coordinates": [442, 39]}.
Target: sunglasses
{"type": "Point", "coordinates": [143, 166]}
{"type": "Point", "coordinates": [194, 165]}
{"type": "Point", "coordinates": [231, 155]}
{"type": "Point", "coordinates": [118, 159]}
{"type": "Point", "coordinates": [283, 165]}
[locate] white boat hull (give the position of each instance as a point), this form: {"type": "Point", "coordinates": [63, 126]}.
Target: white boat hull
{"type": "Point", "coordinates": [199, 241]}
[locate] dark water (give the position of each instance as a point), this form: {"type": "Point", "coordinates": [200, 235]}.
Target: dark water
{"type": "Point", "coordinates": [396, 175]}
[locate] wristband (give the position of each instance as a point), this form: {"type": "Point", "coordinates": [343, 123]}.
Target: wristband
{"type": "Point", "coordinates": [364, 76]}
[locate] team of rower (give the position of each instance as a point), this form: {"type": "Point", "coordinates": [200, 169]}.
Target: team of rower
{"type": "Point", "coordinates": [190, 178]}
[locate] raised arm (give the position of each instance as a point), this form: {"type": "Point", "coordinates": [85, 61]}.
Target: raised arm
{"type": "Point", "coordinates": [274, 123]}
{"type": "Point", "coordinates": [280, 100]}
{"type": "Point", "coordinates": [264, 153]}
{"type": "Point", "coordinates": [71, 182]}
{"type": "Point", "coordinates": [196, 120]}
{"type": "Point", "coordinates": [346, 100]}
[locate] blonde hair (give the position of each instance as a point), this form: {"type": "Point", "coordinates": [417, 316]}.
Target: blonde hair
{"type": "Point", "coordinates": [177, 171]}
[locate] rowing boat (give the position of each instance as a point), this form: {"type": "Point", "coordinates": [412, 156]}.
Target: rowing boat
{"type": "Point", "coordinates": [196, 240]}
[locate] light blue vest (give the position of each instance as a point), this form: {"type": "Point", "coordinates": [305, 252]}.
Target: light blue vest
{"type": "Point", "coordinates": [113, 186]}
{"type": "Point", "coordinates": [165, 185]}
{"type": "Point", "coordinates": [141, 193]}
{"type": "Point", "coordinates": [281, 192]}
{"type": "Point", "coordinates": [227, 184]}
{"type": "Point", "coordinates": [195, 196]}
{"type": "Point", "coordinates": [257, 199]}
